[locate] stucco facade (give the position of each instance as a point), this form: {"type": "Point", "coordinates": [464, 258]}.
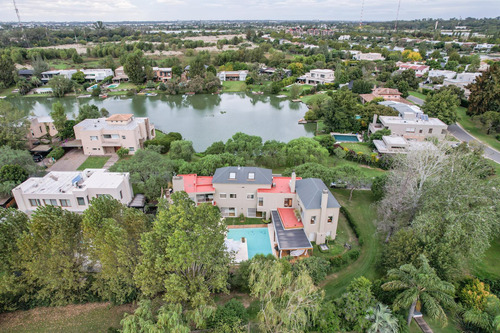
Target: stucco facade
{"type": "Point", "coordinates": [41, 126]}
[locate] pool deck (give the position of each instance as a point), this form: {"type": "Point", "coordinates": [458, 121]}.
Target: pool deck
{"type": "Point", "coordinates": [358, 136]}
{"type": "Point", "coordinates": [243, 226]}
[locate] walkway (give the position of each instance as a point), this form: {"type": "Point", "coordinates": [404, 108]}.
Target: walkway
{"type": "Point", "coordinates": [423, 325]}
{"type": "Point", "coordinates": [457, 131]}
{"type": "Point", "coordinates": [112, 160]}
{"type": "Point", "coordinates": [69, 162]}
{"type": "Point", "coordinates": [415, 100]}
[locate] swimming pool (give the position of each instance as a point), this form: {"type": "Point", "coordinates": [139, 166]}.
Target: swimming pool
{"type": "Point", "coordinates": [112, 86]}
{"type": "Point", "coordinates": [346, 137]}
{"type": "Point", "coordinates": [258, 241]}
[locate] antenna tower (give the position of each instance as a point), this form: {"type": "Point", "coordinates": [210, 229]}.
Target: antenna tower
{"type": "Point", "coordinates": [19, 19]}
{"type": "Point", "coordinates": [397, 16]}
{"type": "Point", "coordinates": [361, 18]}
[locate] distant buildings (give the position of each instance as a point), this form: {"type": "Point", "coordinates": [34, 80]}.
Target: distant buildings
{"type": "Point", "coordinates": [435, 73]}
{"type": "Point", "coordinates": [271, 70]}
{"type": "Point", "coordinates": [411, 123]}
{"type": "Point", "coordinates": [104, 136]}
{"type": "Point", "coordinates": [388, 94]}
{"type": "Point", "coordinates": [318, 76]}
{"type": "Point", "coordinates": [72, 190]}
{"type": "Point", "coordinates": [96, 75]}
{"type": "Point", "coordinates": [368, 56]}
{"type": "Point", "coordinates": [67, 73]}
{"type": "Point", "coordinates": [419, 69]}
{"type": "Point", "coordinates": [232, 75]}
{"type": "Point", "coordinates": [462, 80]}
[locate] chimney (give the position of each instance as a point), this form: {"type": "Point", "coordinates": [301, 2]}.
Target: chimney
{"type": "Point", "coordinates": [375, 116]}
{"type": "Point", "coordinates": [293, 182]}
{"type": "Point", "coordinates": [324, 199]}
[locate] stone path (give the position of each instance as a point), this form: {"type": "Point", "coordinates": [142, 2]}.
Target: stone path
{"type": "Point", "coordinates": [112, 160]}
{"type": "Point", "coordinates": [69, 162]}
{"type": "Point", "coordinates": [423, 324]}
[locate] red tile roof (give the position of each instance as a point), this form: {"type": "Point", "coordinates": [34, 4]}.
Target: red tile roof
{"type": "Point", "coordinates": [289, 219]}
{"type": "Point", "coordinates": [282, 185]}
{"type": "Point", "coordinates": [197, 184]}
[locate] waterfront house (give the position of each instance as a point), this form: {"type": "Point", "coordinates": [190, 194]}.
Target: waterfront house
{"type": "Point", "coordinates": [318, 76]}
{"type": "Point", "coordinates": [97, 75]}
{"type": "Point", "coordinates": [162, 74]}
{"type": "Point", "coordinates": [66, 73]}
{"type": "Point", "coordinates": [232, 75]}
{"type": "Point", "coordinates": [26, 73]}
{"type": "Point", "coordinates": [120, 75]}
{"type": "Point", "coordinates": [388, 94]}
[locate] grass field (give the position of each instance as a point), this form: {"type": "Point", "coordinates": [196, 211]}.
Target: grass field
{"type": "Point", "coordinates": [362, 210]}
{"type": "Point", "coordinates": [233, 86]}
{"type": "Point", "coordinates": [475, 130]}
{"type": "Point", "coordinates": [94, 162]}
{"type": "Point", "coordinates": [489, 267]}
{"type": "Point", "coordinates": [91, 317]}
{"type": "Point", "coordinates": [435, 326]}
{"type": "Point", "coordinates": [417, 94]}
{"type": "Point", "coordinates": [344, 235]}
{"type": "Point", "coordinates": [358, 147]}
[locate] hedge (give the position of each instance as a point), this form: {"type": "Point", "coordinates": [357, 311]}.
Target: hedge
{"type": "Point", "coordinates": [352, 224]}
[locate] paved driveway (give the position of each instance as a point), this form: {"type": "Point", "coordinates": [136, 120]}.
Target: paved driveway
{"type": "Point", "coordinates": [416, 100]}
{"type": "Point", "coordinates": [463, 135]}
{"type": "Point", "coordinates": [70, 161]}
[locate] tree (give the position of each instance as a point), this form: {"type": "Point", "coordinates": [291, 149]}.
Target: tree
{"type": "Point", "coordinates": [133, 67]}
{"type": "Point", "coordinates": [403, 88]}
{"type": "Point", "coordinates": [39, 66]}
{"type": "Point", "coordinates": [485, 92]}
{"type": "Point", "coordinates": [104, 112]}
{"type": "Point", "coordinates": [111, 233]}
{"type": "Point", "coordinates": [13, 173]}
{"type": "Point", "coordinates": [87, 111]}
{"type": "Point", "coordinates": [420, 285]}
{"type": "Point", "coordinates": [60, 85]}
{"type": "Point", "coordinates": [77, 59]}
{"type": "Point", "coordinates": [58, 116]}
{"type": "Point", "coordinates": [181, 149]}
{"type": "Point", "coordinates": [215, 148]}
{"type": "Point", "coordinates": [443, 105]}
{"type": "Point", "coordinates": [303, 150]}
{"type": "Point", "coordinates": [23, 85]}
{"type": "Point", "coordinates": [197, 67]}
{"type": "Point", "coordinates": [14, 125]}
{"type": "Point", "coordinates": [67, 131]}
{"type": "Point", "coordinates": [362, 87]}
{"type": "Point", "coordinates": [52, 256]}
{"type": "Point", "coordinates": [184, 256]}
{"type": "Point", "coordinates": [78, 77]}
{"type": "Point", "coordinates": [7, 70]}
{"type": "Point", "coordinates": [353, 177]}
{"type": "Point", "coordinates": [96, 92]}
{"type": "Point", "coordinates": [383, 320]}
{"type": "Point", "coordinates": [405, 247]}
{"type": "Point", "coordinates": [377, 187]}
{"type": "Point", "coordinates": [281, 294]}
{"type": "Point", "coordinates": [314, 170]}
{"type": "Point", "coordinates": [353, 305]}
{"type": "Point", "coordinates": [490, 121]}
{"type": "Point", "coordinates": [247, 146]}
{"type": "Point", "coordinates": [295, 91]}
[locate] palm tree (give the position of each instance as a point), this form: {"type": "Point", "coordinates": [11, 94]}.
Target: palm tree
{"type": "Point", "coordinates": [420, 285]}
{"type": "Point", "coordinates": [383, 320]}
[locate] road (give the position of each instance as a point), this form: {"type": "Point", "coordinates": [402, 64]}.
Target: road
{"type": "Point", "coordinates": [458, 132]}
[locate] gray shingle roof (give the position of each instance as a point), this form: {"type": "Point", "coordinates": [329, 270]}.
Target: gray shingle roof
{"type": "Point", "coordinates": [309, 191]}
{"type": "Point", "coordinates": [289, 239]}
{"type": "Point", "coordinates": [261, 176]}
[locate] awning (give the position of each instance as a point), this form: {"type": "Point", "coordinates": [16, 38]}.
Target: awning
{"type": "Point", "coordinates": [292, 239]}
{"type": "Point", "coordinates": [72, 144]}
{"type": "Point", "coordinates": [41, 149]}
{"type": "Point", "coordinates": [138, 201]}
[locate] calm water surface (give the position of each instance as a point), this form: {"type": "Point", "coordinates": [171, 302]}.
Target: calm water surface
{"type": "Point", "coordinates": [202, 119]}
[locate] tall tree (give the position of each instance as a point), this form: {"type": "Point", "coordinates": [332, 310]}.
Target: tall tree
{"type": "Point", "coordinates": [58, 116]}
{"type": "Point", "coordinates": [111, 233]}
{"type": "Point", "coordinates": [39, 66]}
{"type": "Point", "coordinates": [7, 70]}
{"type": "Point", "coordinates": [13, 126]}
{"type": "Point", "coordinates": [60, 85]}
{"type": "Point", "coordinates": [420, 285]}
{"type": "Point", "coordinates": [485, 92]}
{"type": "Point", "coordinates": [181, 149]}
{"type": "Point", "coordinates": [353, 305]}
{"type": "Point", "coordinates": [88, 111]}
{"type": "Point", "coordinates": [443, 105]}
{"type": "Point", "coordinates": [134, 67]}
{"type": "Point", "coordinates": [303, 150]}
{"type": "Point", "coordinates": [184, 256]}
{"type": "Point", "coordinates": [382, 320]}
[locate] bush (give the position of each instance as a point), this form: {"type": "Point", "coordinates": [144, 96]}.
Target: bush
{"type": "Point", "coordinates": [338, 262]}
{"type": "Point", "coordinates": [317, 268]}
{"type": "Point", "coordinates": [353, 255]}
{"type": "Point", "coordinates": [351, 223]}
{"type": "Point", "coordinates": [96, 92]}
{"type": "Point", "coordinates": [56, 153]}
{"type": "Point", "coordinates": [122, 152]}
{"type": "Point", "coordinates": [231, 314]}
{"type": "Point", "coordinates": [498, 137]}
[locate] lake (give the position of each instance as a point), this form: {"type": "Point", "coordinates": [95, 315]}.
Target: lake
{"type": "Point", "coordinates": [202, 119]}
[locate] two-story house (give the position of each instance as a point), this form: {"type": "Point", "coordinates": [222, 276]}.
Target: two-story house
{"type": "Point", "coordinates": [318, 76]}
{"type": "Point", "coordinates": [162, 74]}
{"type": "Point", "coordinates": [104, 136]}
{"type": "Point", "coordinates": [232, 75]}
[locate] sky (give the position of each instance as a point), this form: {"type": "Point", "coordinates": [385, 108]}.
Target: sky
{"type": "Point", "coordinates": [167, 10]}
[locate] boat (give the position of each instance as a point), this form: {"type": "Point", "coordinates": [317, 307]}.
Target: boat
{"type": "Point", "coordinates": [190, 93]}
{"type": "Point", "coordinates": [103, 96]}
{"type": "Point", "coordinates": [302, 121]}
{"type": "Point", "coordinates": [84, 96]}
{"type": "Point", "coordinates": [296, 100]}
{"type": "Point", "coordinates": [151, 94]}
{"type": "Point", "coordinates": [282, 96]}
{"type": "Point", "coordinates": [257, 93]}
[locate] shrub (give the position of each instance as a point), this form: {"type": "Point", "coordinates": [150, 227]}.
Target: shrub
{"type": "Point", "coordinates": [353, 255]}
{"type": "Point", "coordinates": [56, 153]}
{"type": "Point", "coordinates": [231, 314]}
{"type": "Point", "coordinates": [317, 268]}
{"type": "Point", "coordinates": [338, 261]}
{"type": "Point", "coordinates": [122, 152]}
{"type": "Point", "coordinates": [498, 137]}
{"type": "Point", "coordinates": [351, 223]}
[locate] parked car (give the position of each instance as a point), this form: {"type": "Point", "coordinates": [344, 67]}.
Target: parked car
{"type": "Point", "coordinates": [338, 184]}
{"type": "Point", "coordinates": [37, 158]}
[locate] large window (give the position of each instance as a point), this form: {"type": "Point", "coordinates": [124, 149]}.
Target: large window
{"type": "Point", "coordinates": [228, 211]}
{"type": "Point", "coordinates": [232, 196]}
{"type": "Point", "coordinates": [93, 138]}
{"type": "Point", "coordinates": [35, 202]}
{"type": "Point", "coordinates": [65, 203]}
{"type": "Point", "coordinates": [261, 201]}
{"type": "Point", "coordinates": [251, 176]}
{"type": "Point", "coordinates": [50, 202]}
{"type": "Point", "coordinates": [252, 212]}
{"type": "Point", "coordinates": [81, 201]}
{"type": "Point", "coordinates": [222, 195]}
{"type": "Point", "coordinates": [111, 136]}
{"type": "Point", "coordinates": [232, 175]}
{"type": "Point", "coordinates": [288, 202]}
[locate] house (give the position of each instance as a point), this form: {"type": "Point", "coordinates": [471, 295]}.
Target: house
{"type": "Point", "coordinates": [232, 75]}
{"type": "Point", "coordinates": [295, 205]}
{"type": "Point", "coordinates": [419, 69]}
{"type": "Point", "coordinates": [344, 37]}
{"type": "Point", "coordinates": [411, 123]}
{"type": "Point", "coordinates": [40, 127]}
{"type": "Point", "coordinates": [318, 76]}
{"type": "Point", "coordinates": [394, 144]}
{"type": "Point", "coordinates": [162, 74]}
{"type": "Point", "coordinates": [368, 56]}
{"type": "Point", "coordinates": [106, 135]}
{"type": "Point", "coordinates": [388, 94]}
{"type": "Point", "coordinates": [445, 74]}
{"type": "Point", "coordinates": [120, 75]}
{"type": "Point", "coordinates": [271, 70]}
{"type": "Point", "coordinates": [97, 75]}
{"type": "Point", "coordinates": [67, 73]}
{"type": "Point", "coordinates": [26, 73]}
{"type": "Point", "coordinates": [72, 190]}
{"type": "Point", "coordinates": [462, 81]}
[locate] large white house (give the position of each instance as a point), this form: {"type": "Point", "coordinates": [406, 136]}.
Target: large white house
{"type": "Point", "coordinates": [368, 56]}
{"type": "Point", "coordinates": [233, 75]}
{"type": "Point", "coordinates": [72, 190]}
{"type": "Point", "coordinates": [318, 76]}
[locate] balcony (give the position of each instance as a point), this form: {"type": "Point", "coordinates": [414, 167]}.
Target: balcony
{"type": "Point", "coordinates": [372, 128]}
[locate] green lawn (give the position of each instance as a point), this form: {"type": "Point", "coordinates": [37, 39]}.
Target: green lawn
{"type": "Point", "coordinates": [488, 267]}
{"type": "Point", "coordinates": [94, 162]}
{"type": "Point", "coordinates": [344, 235]}
{"type": "Point", "coordinates": [363, 212]}
{"type": "Point", "coordinates": [358, 147]}
{"type": "Point", "coordinates": [417, 94]}
{"type": "Point", "coordinates": [8, 91]}
{"type": "Point", "coordinates": [248, 220]}
{"type": "Point", "coordinates": [474, 129]}
{"type": "Point", "coordinates": [233, 86]}
{"type": "Point", "coordinates": [91, 317]}
{"type": "Point", "coordinates": [368, 171]}
{"type": "Point", "coordinates": [435, 326]}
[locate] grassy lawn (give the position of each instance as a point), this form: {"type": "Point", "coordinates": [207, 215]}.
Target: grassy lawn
{"type": "Point", "coordinates": [344, 235]}
{"type": "Point", "coordinates": [127, 85]}
{"type": "Point", "coordinates": [417, 94]}
{"type": "Point", "coordinates": [8, 91]}
{"type": "Point", "coordinates": [94, 162]}
{"type": "Point", "coordinates": [358, 147]}
{"type": "Point", "coordinates": [435, 326]}
{"type": "Point", "coordinates": [248, 220]}
{"type": "Point", "coordinates": [368, 171]}
{"type": "Point", "coordinates": [364, 214]}
{"type": "Point", "coordinates": [233, 86]}
{"type": "Point", "coordinates": [475, 130]}
{"type": "Point", "coordinates": [91, 317]}
{"type": "Point", "coordinates": [488, 267]}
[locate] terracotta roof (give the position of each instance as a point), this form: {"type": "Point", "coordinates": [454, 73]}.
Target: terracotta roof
{"type": "Point", "coordinates": [289, 219]}
{"type": "Point", "coordinates": [282, 185]}
{"type": "Point", "coordinates": [197, 184]}
{"type": "Point", "coordinates": [120, 117]}
{"type": "Point", "coordinates": [386, 91]}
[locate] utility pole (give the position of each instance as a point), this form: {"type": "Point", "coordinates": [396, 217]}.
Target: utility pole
{"type": "Point", "coordinates": [397, 16]}
{"type": "Point", "coordinates": [361, 18]}
{"type": "Point", "coordinates": [19, 19]}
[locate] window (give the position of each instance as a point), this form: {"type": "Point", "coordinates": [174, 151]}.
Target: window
{"type": "Point", "coordinates": [131, 149]}
{"type": "Point", "coordinates": [410, 130]}
{"type": "Point", "coordinates": [35, 202]}
{"type": "Point", "coordinates": [93, 138]}
{"type": "Point", "coordinates": [288, 202]}
{"type": "Point", "coordinates": [313, 219]}
{"type": "Point", "coordinates": [250, 196]}
{"type": "Point", "coordinates": [81, 201]}
{"type": "Point", "coordinates": [443, 131]}
{"type": "Point", "coordinates": [430, 130]}
{"type": "Point", "coordinates": [50, 202]}
{"type": "Point", "coordinates": [107, 136]}
{"type": "Point", "coordinates": [252, 212]}
{"type": "Point", "coordinates": [232, 211]}
{"type": "Point", "coordinates": [228, 211]}
{"type": "Point", "coordinates": [261, 201]}
{"type": "Point", "coordinates": [121, 195]}
{"type": "Point", "coordinates": [65, 203]}
{"type": "Point", "coordinates": [232, 175]}
{"type": "Point", "coordinates": [251, 175]}
{"type": "Point", "coordinates": [222, 195]}
{"type": "Point", "coordinates": [124, 137]}
{"type": "Point", "coordinates": [330, 219]}
{"type": "Point", "coordinates": [420, 131]}
{"type": "Point", "coordinates": [232, 196]}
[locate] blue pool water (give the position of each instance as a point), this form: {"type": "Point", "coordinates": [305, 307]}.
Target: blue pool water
{"type": "Point", "coordinates": [111, 86]}
{"type": "Point", "coordinates": [257, 240]}
{"type": "Point", "coordinates": [93, 86]}
{"type": "Point", "coordinates": [346, 137]}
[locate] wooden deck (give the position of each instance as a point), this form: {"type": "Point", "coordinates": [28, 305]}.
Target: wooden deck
{"type": "Point", "coordinates": [423, 324]}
